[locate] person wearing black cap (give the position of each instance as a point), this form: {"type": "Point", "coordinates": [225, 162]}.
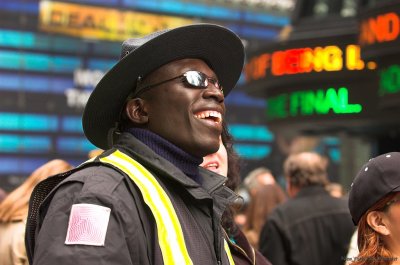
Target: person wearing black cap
{"type": "Point", "coordinates": [312, 227]}
{"type": "Point", "coordinates": [374, 206]}
{"type": "Point", "coordinates": [145, 200]}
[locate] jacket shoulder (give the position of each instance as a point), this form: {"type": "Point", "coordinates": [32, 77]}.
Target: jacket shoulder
{"type": "Point", "coordinates": [96, 178]}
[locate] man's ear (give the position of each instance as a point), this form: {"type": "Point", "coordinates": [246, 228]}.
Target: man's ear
{"type": "Point", "coordinates": [136, 111]}
{"type": "Point", "coordinates": [376, 221]}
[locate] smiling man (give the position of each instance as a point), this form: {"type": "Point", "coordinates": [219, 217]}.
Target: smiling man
{"type": "Point", "coordinates": [145, 200]}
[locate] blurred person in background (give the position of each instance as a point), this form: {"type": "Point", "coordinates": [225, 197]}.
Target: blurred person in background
{"type": "Point", "coordinates": [263, 200]}
{"type": "Point", "coordinates": [226, 162]}
{"type": "Point", "coordinates": [3, 194]}
{"type": "Point", "coordinates": [95, 153]}
{"type": "Point", "coordinates": [374, 203]}
{"type": "Point", "coordinates": [353, 248]}
{"type": "Point", "coordinates": [312, 227]}
{"type": "Point", "coordinates": [14, 211]}
{"type": "Point", "coordinates": [241, 209]}
{"type": "Point", "coordinates": [335, 189]}
{"type": "Point", "coordinates": [257, 177]}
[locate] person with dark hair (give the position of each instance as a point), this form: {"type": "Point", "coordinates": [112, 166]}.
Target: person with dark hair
{"type": "Point", "coordinates": [145, 200]}
{"type": "Point", "coordinates": [226, 162]}
{"type": "Point", "coordinates": [374, 206]}
{"type": "Point", "coordinates": [312, 227]}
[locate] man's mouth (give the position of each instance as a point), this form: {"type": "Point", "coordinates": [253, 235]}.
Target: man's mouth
{"type": "Point", "coordinates": [209, 115]}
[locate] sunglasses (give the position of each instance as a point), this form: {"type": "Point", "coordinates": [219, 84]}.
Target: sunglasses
{"type": "Point", "coordinates": [194, 79]}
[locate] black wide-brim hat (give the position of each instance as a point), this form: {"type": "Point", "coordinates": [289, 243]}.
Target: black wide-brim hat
{"type": "Point", "coordinates": [217, 46]}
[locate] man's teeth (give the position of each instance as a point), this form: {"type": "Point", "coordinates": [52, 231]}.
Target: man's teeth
{"type": "Point", "coordinates": [217, 117]}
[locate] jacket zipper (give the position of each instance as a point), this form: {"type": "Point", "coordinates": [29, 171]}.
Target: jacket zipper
{"type": "Point", "coordinates": [218, 246]}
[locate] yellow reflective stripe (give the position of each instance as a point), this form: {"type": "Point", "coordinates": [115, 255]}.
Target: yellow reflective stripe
{"type": "Point", "coordinates": [228, 253]}
{"type": "Point", "coordinates": [169, 231]}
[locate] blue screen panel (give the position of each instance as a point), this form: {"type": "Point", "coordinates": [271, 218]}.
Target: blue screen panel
{"type": "Point", "coordinates": [265, 19]}
{"type": "Point", "coordinates": [72, 124]}
{"type": "Point", "coordinates": [20, 165]}
{"type": "Point", "coordinates": [109, 48]}
{"type": "Point", "coordinates": [38, 62]}
{"type": "Point", "coordinates": [101, 64]}
{"type": "Point", "coordinates": [334, 154]}
{"type": "Point", "coordinates": [252, 151]}
{"type": "Point", "coordinates": [262, 33]}
{"type": "Point", "coordinates": [29, 40]}
{"type": "Point", "coordinates": [74, 145]}
{"type": "Point", "coordinates": [24, 144]}
{"type": "Point", "coordinates": [245, 132]}
{"type": "Point", "coordinates": [99, 2]}
{"type": "Point", "coordinates": [19, 6]}
{"type": "Point", "coordinates": [196, 9]}
{"type": "Point", "coordinates": [211, 11]}
{"type": "Point", "coordinates": [27, 122]}
{"type": "Point", "coordinates": [16, 39]}
{"type": "Point", "coordinates": [34, 83]}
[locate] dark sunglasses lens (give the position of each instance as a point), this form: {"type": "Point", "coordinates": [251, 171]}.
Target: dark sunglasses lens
{"type": "Point", "coordinates": [196, 79]}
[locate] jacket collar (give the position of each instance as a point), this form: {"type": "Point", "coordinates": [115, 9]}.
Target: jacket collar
{"type": "Point", "coordinates": [311, 191]}
{"type": "Point", "coordinates": [212, 184]}
{"type": "Point", "coordinates": [186, 162]}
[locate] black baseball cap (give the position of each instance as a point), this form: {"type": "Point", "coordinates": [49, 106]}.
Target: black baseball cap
{"type": "Point", "coordinates": [378, 177]}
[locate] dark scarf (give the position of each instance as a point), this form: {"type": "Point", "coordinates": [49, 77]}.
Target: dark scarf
{"type": "Point", "coordinates": [187, 163]}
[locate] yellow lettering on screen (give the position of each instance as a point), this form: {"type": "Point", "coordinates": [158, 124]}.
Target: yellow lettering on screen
{"type": "Point", "coordinates": [305, 60]}
{"type": "Point", "coordinates": [318, 62]}
{"type": "Point", "coordinates": [330, 58]}
{"type": "Point", "coordinates": [353, 58]}
{"type": "Point", "coordinates": [333, 60]}
{"type": "Point", "coordinates": [102, 23]}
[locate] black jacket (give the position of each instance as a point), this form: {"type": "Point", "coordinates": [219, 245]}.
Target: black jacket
{"type": "Point", "coordinates": [243, 253]}
{"type": "Point", "coordinates": [313, 228]}
{"type": "Point", "coordinates": [131, 236]}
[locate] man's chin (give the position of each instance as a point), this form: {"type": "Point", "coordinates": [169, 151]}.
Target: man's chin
{"type": "Point", "coordinates": [202, 152]}
{"type": "Point", "coordinates": [200, 147]}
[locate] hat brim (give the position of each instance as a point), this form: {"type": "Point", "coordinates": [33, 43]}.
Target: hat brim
{"type": "Point", "coordinates": [219, 47]}
{"type": "Point", "coordinates": [359, 205]}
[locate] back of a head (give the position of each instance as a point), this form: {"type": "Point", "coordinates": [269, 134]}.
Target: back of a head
{"type": "Point", "coordinates": [305, 169]}
{"type": "Point", "coordinates": [252, 181]}
{"type": "Point", "coordinates": [15, 205]}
